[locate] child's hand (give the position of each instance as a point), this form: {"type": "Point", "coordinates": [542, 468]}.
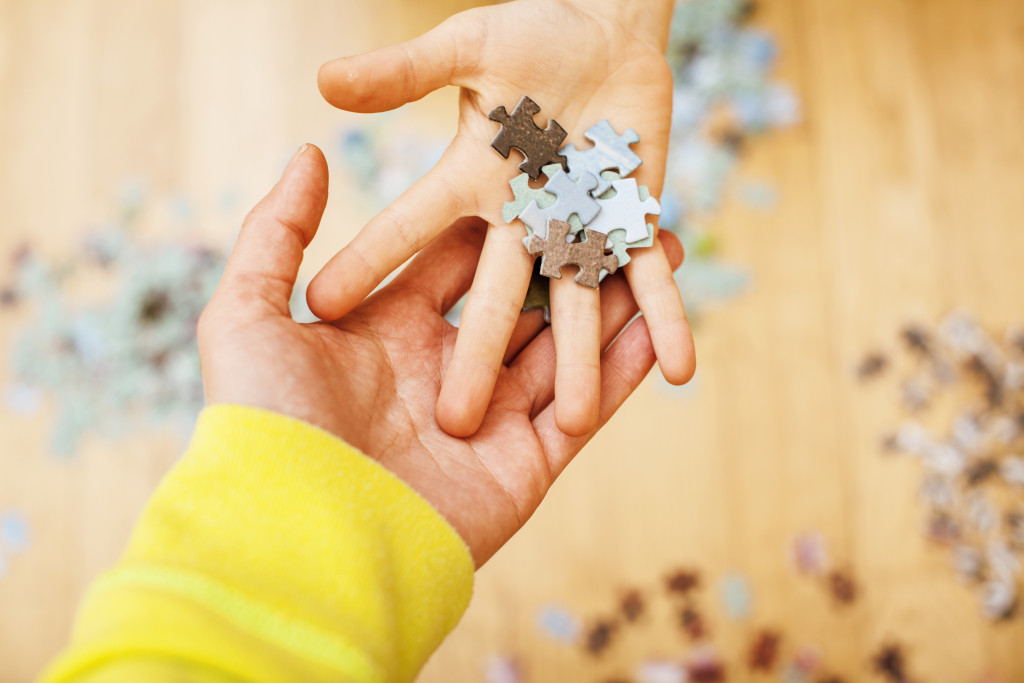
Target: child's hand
{"type": "Point", "coordinates": [581, 63]}
{"type": "Point", "coordinates": [373, 377]}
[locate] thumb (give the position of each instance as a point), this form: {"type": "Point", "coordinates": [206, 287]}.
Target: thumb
{"type": "Point", "coordinates": [390, 77]}
{"type": "Point", "coordinates": [265, 261]}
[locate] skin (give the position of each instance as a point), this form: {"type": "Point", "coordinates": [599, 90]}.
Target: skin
{"type": "Point", "coordinates": [581, 62]}
{"type": "Point", "coordinates": [373, 377]}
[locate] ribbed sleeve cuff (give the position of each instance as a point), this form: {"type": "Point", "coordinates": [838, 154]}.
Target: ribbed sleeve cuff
{"type": "Point", "coordinates": [272, 531]}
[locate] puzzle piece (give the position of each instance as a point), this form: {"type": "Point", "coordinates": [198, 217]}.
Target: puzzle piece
{"type": "Point", "coordinates": [610, 151]}
{"type": "Point", "coordinates": [573, 199]}
{"type": "Point", "coordinates": [588, 255]}
{"type": "Point", "coordinates": [617, 238]}
{"type": "Point", "coordinates": [625, 211]}
{"type": "Point", "coordinates": [524, 194]}
{"type": "Point", "coordinates": [538, 145]}
{"type": "Point", "coordinates": [618, 245]}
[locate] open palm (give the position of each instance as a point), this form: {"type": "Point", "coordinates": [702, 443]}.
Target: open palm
{"type": "Point", "coordinates": [581, 67]}
{"type": "Point", "coordinates": [373, 377]}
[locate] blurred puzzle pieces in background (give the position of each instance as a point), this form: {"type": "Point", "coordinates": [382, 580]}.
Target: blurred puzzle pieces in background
{"type": "Point", "coordinates": [661, 671]}
{"type": "Point", "coordinates": [809, 553]}
{"type": "Point", "coordinates": [559, 624]}
{"type": "Point", "coordinates": [735, 594]}
{"type": "Point", "coordinates": [500, 669]}
{"type": "Point", "coordinates": [138, 344]}
{"type": "Point", "coordinates": [679, 597]}
{"type": "Point", "coordinates": [14, 537]}
{"type": "Point", "coordinates": [972, 481]}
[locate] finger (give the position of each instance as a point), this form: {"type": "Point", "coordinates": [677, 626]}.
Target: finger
{"type": "Point", "coordinates": [443, 271]}
{"type": "Point", "coordinates": [488, 319]}
{"type": "Point", "coordinates": [387, 78]}
{"type": "Point", "coordinates": [623, 366]}
{"type": "Point", "coordinates": [673, 249]}
{"type": "Point", "coordinates": [650, 275]}
{"type": "Point", "coordinates": [529, 325]}
{"type": "Point", "coordinates": [404, 227]}
{"type": "Point", "coordinates": [576, 326]}
{"type": "Point", "coordinates": [534, 368]}
{"type": "Point", "coordinates": [266, 258]}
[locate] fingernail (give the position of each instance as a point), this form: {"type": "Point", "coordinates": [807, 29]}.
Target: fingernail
{"type": "Point", "coordinates": [298, 155]}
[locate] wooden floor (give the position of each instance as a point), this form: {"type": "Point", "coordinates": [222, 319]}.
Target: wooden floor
{"type": "Point", "coordinates": [902, 196]}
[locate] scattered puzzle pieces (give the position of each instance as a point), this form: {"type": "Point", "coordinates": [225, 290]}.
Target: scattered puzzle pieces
{"type": "Point", "coordinates": [625, 211]}
{"type": "Point", "coordinates": [518, 129]}
{"type": "Point", "coordinates": [573, 199]}
{"type": "Point", "coordinates": [557, 252]}
{"type": "Point", "coordinates": [14, 534]}
{"type": "Point", "coordinates": [610, 152]}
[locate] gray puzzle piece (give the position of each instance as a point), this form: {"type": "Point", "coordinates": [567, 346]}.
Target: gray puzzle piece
{"type": "Point", "coordinates": [625, 211]}
{"type": "Point", "coordinates": [573, 199]}
{"type": "Point", "coordinates": [610, 152]}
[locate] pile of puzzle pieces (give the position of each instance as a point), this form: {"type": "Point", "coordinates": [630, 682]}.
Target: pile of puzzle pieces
{"type": "Point", "coordinates": [588, 207]}
{"type": "Point", "coordinates": [138, 344]}
{"type": "Point", "coordinates": [964, 392]}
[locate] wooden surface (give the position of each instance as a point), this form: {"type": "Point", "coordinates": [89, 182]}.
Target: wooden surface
{"type": "Point", "coordinates": [902, 192]}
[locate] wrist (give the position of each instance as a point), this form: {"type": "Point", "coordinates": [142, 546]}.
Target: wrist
{"type": "Point", "coordinates": [649, 20]}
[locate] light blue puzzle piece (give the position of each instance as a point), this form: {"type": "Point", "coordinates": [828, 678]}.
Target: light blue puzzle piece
{"type": "Point", "coordinates": [559, 624]}
{"type": "Point", "coordinates": [573, 200]}
{"type": "Point", "coordinates": [14, 534]}
{"type": "Point", "coordinates": [626, 211]}
{"type": "Point", "coordinates": [735, 593]}
{"type": "Point", "coordinates": [617, 238]}
{"type": "Point", "coordinates": [610, 151]}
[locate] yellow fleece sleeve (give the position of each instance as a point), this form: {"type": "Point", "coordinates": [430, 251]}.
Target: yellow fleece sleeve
{"type": "Point", "coordinates": [273, 552]}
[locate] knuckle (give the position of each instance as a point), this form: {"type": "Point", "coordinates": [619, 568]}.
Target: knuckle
{"type": "Point", "coordinates": [357, 255]}
{"type": "Point", "coordinates": [397, 226]}
{"type": "Point", "coordinates": [410, 74]}
{"type": "Point", "coordinates": [663, 297]}
{"type": "Point", "coordinates": [247, 291]}
{"type": "Point", "coordinates": [487, 306]}
{"type": "Point", "coordinates": [470, 31]}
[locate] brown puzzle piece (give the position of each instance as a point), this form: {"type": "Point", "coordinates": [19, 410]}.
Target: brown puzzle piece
{"type": "Point", "coordinates": [588, 255]}
{"type": "Point", "coordinates": [538, 145]}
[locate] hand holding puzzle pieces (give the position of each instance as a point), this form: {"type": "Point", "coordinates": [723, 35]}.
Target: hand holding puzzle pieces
{"type": "Point", "coordinates": [587, 192]}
